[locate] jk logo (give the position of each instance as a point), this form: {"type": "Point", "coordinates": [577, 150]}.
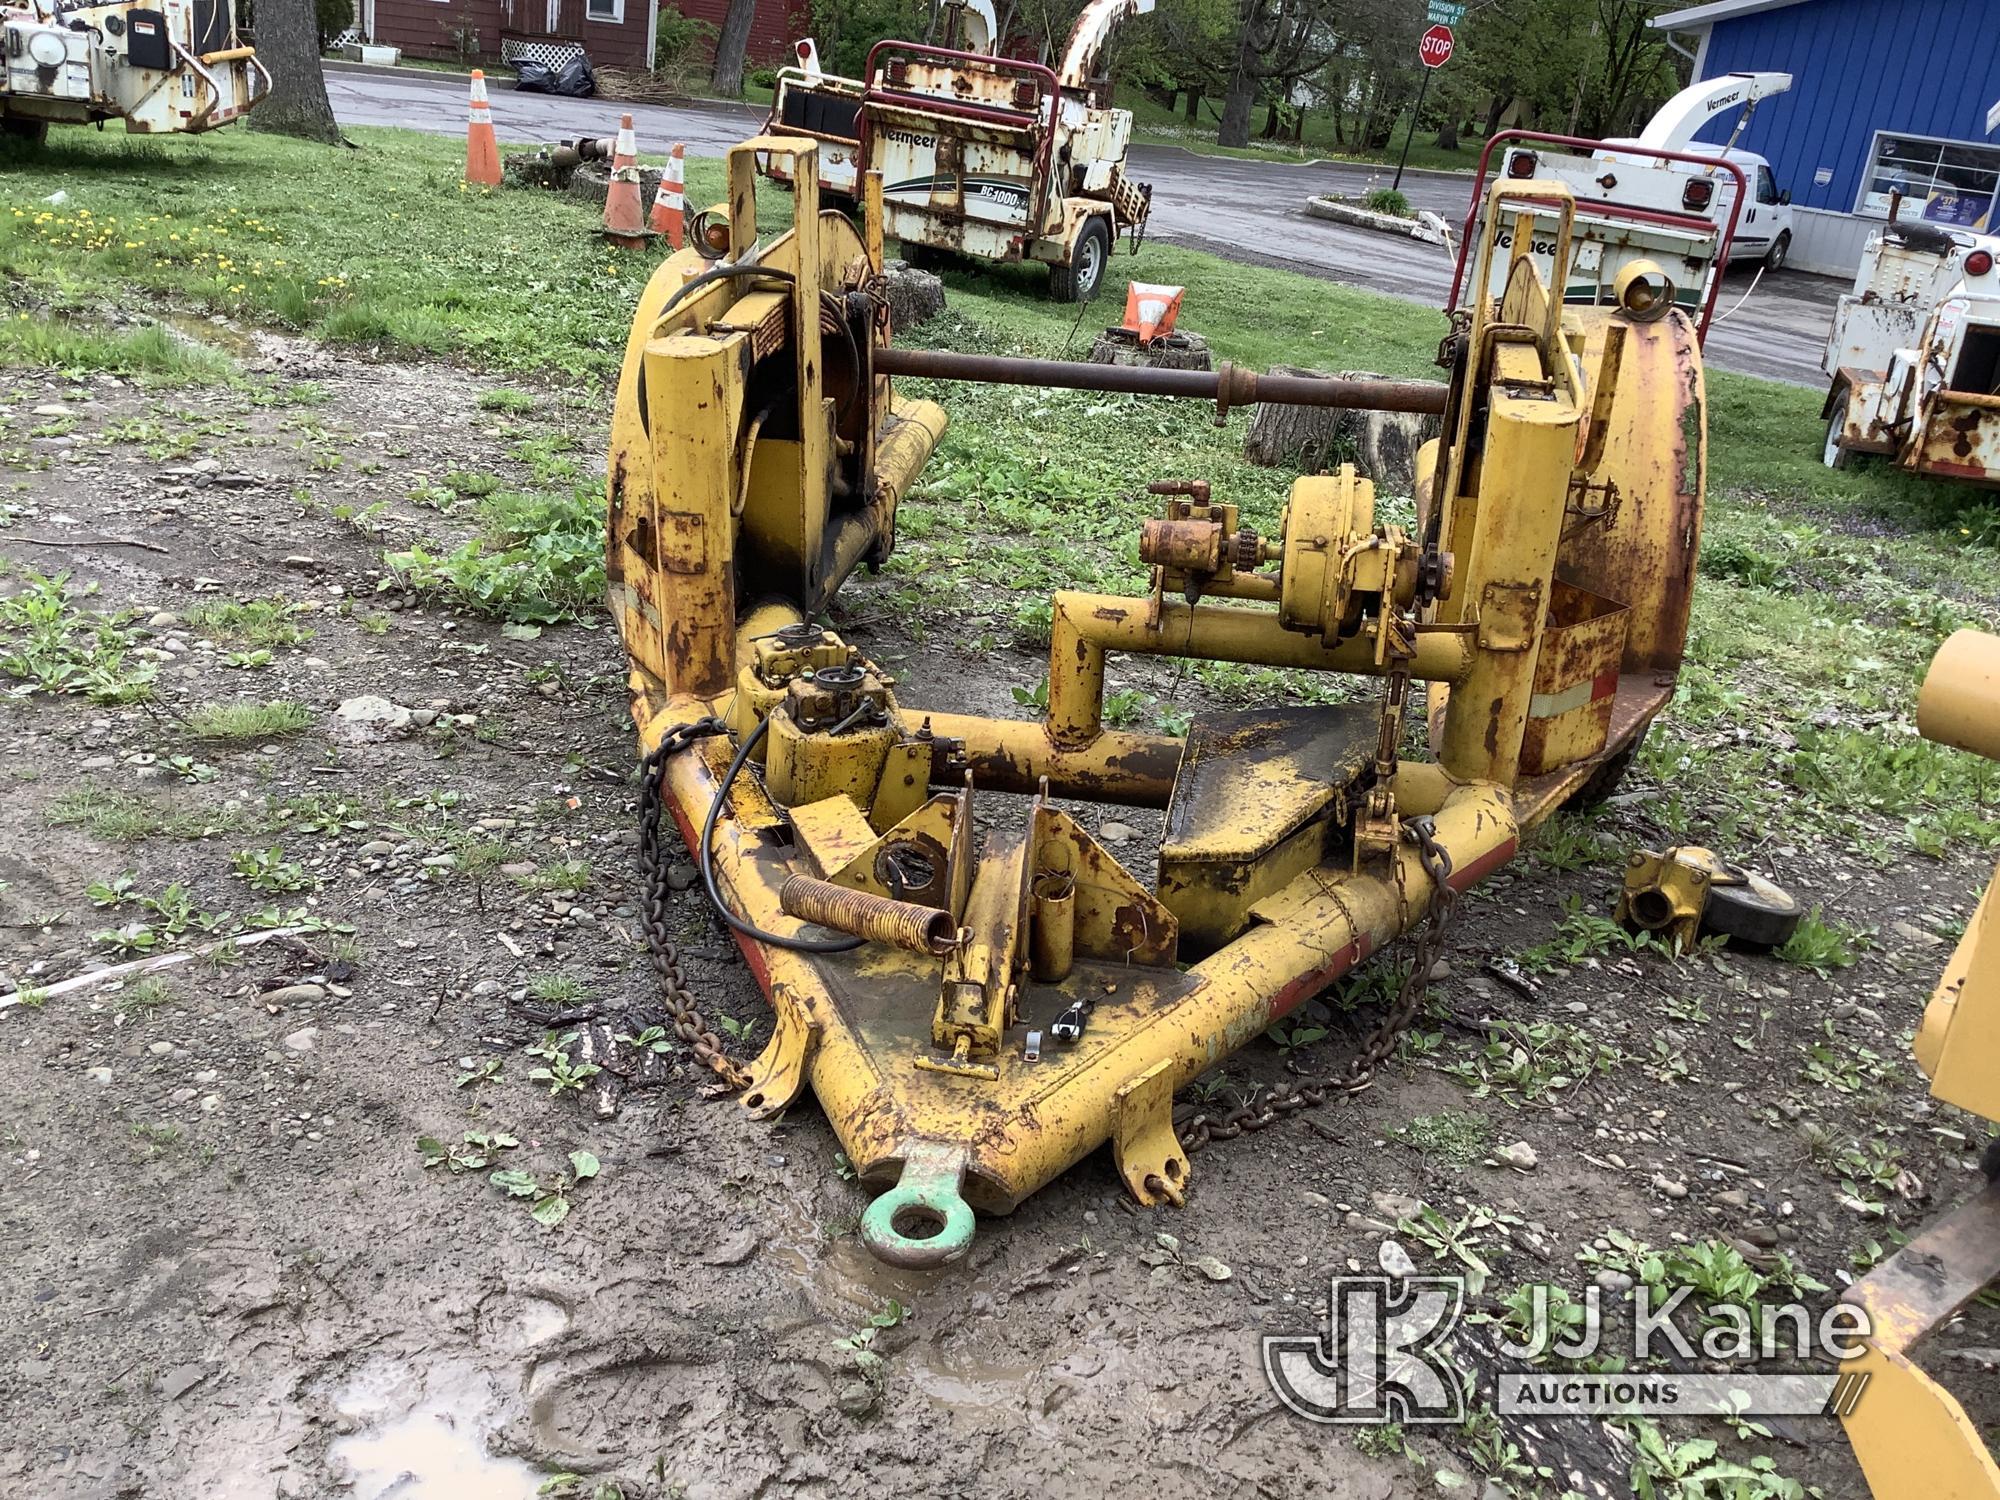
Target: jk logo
{"type": "Point", "coordinates": [1379, 1357]}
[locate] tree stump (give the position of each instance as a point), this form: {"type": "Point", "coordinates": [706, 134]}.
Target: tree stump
{"type": "Point", "coordinates": [592, 184]}
{"type": "Point", "coordinates": [540, 169]}
{"type": "Point", "coordinates": [1381, 444]}
{"type": "Point", "coordinates": [1180, 350]}
{"type": "Point", "coordinates": [914, 296]}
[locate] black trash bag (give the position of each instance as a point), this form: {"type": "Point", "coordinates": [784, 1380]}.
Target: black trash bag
{"type": "Point", "coordinates": [575, 80]}
{"type": "Point", "coordinates": [535, 77]}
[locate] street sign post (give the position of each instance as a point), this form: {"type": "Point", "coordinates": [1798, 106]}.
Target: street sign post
{"type": "Point", "coordinates": [1434, 50]}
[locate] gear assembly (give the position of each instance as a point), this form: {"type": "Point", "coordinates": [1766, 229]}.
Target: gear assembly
{"type": "Point", "coordinates": [978, 991]}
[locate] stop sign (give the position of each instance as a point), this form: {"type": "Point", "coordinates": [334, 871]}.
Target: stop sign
{"type": "Point", "coordinates": [1436, 47]}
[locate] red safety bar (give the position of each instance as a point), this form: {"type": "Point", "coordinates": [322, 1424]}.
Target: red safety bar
{"type": "Point", "coordinates": [1040, 119]}
{"type": "Point", "coordinates": [1630, 211]}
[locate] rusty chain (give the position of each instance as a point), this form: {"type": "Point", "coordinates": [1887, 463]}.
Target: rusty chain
{"type": "Point", "coordinates": [1269, 1105]}
{"type": "Point", "coordinates": [686, 1021]}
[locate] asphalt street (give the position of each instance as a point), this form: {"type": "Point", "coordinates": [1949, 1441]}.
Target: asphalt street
{"type": "Point", "coordinates": [1244, 210]}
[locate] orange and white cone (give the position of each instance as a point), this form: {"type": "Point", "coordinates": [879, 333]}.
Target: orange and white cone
{"type": "Point", "coordinates": [670, 203]}
{"type": "Point", "coordinates": [482, 152]}
{"type": "Point", "coordinates": [624, 214]}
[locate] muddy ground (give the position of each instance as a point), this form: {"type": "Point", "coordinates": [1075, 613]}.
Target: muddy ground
{"type": "Point", "coordinates": [229, 1272]}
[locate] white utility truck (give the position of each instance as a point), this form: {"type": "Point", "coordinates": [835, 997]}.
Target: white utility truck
{"type": "Point", "coordinates": [989, 157]}
{"type": "Point", "coordinates": [1914, 357]}
{"type": "Point", "coordinates": [167, 67]}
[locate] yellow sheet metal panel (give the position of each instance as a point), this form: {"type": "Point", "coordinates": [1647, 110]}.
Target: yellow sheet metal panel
{"type": "Point", "coordinates": [1960, 701]}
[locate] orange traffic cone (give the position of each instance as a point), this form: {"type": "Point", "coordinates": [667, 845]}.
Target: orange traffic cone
{"type": "Point", "coordinates": [482, 152]}
{"type": "Point", "coordinates": [669, 204]}
{"type": "Point", "coordinates": [624, 214]}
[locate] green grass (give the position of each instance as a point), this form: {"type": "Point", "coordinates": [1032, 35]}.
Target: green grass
{"type": "Point", "coordinates": [77, 348]}
{"type": "Point", "coordinates": [247, 721]}
{"type": "Point", "coordinates": [1155, 125]}
{"type": "Point", "coordinates": [251, 622]}
{"type": "Point", "coordinates": [373, 247]}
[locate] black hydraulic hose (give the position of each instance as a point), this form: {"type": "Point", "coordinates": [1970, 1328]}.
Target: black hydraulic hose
{"type": "Point", "coordinates": [743, 925]}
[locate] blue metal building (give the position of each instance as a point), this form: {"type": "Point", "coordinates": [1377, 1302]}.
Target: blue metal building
{"type": "Point", "coordinates": [1885, 94]}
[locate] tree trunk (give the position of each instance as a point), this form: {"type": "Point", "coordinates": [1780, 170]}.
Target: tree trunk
{"type": "Point", "coordinates": [1448, 134]}
{"type": "Point", "coordinates": [1494, 110]}
{"type": "Point", "coordinates": [1299, 128]}
{"type": "Point", "coordinates": [288, 44]}
{"type": "Point", "coordinates": [730, 46]}
{"type": "Point", "coordinates": [1194, 106]}
{"type": "Point", "coordinates": [1271, 121]}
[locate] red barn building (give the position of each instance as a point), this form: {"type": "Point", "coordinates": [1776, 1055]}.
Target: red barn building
{"type": "Point", "coordinates": [611, 33]}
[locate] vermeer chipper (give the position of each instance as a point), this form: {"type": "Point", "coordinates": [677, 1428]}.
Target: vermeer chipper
{"type": "Point", "coordinates": [979, 992]}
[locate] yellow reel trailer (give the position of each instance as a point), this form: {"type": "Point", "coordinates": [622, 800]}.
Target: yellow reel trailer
{"type": "Point", "coordinates": [1909, 1433]}
{"type": "Point", "coordinates": [981, 1001]}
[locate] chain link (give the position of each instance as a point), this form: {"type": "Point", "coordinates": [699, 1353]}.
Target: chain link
{"type": "Point", "coordinates": [686, 1021]}
{"type": "Point", "coordinates": [1274, 1103]}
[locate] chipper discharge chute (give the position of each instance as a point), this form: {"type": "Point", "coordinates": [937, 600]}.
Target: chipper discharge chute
{"type": "Point", "coordinates": [978, 991]}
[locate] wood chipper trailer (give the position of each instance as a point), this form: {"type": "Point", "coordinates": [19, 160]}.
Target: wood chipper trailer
{"type": "Point", "coordinates": [979, 992]}
{"type": "Point", "coordinates": [991, 157]}
{"type": "Point", "coordinates": [1913, 359]}
{"type": "Point", "coordinates": [1910, 1435]}
{"type": "Point", "coordinates": [1674, 212]}
{"type": "Point", "coordinates": [177, 66]}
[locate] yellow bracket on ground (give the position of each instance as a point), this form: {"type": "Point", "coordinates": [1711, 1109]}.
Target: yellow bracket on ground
{"type": "Point", "coordinates": [779, 1074]}
{"type": "Point", "coordinates": [1149, 1156]}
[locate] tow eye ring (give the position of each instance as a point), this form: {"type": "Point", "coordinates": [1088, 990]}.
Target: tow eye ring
{"type": "Point", "coordinates": [922, 1221]}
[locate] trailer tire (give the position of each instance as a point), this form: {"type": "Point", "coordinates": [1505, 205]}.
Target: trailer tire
{"type": "Point", "coordinates": [1606, 778]}
{"type": "Point", "coordinates": [1833, 455]}
{"type": "Point", "coordinates": [1757, 913]}
{"type": "Point", "coordinates": [1083, 278]}
{"type": "Point", "coordinates": [1779, 253]}
{"type": "Point", "coordinates": [28, 132]}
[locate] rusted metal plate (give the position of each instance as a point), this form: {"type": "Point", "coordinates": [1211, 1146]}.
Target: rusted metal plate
{"type": "Point", "coordinates": [1252, 809]}
{"type": "Point", "coordinates": [1960, 437]}
{"type": "Point", "coordinates": [1576, 679]}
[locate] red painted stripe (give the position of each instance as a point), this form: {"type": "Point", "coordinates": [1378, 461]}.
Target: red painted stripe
{"type": "Point", "coordinates": [1470, 875]}
{"type": "Point", "coordinates": [1604, 685]}
{"type": "Point", "coordinates": [1306, 986]}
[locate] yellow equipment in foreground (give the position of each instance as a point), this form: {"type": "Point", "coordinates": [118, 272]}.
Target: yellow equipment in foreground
{"type": "Point", "coordinates": [1000, 995]}
{"type": "Point", "coordinates": [1910, 1435]}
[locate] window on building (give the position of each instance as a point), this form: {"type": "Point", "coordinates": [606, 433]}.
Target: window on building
{"type": "Point", "coordinates": [1946, 182]}
{"type": "Point", "coordinates": [605, 10]}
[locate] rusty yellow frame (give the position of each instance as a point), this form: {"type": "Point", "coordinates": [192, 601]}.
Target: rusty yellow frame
{"type": "Point", "coordinates": [947, 1139]}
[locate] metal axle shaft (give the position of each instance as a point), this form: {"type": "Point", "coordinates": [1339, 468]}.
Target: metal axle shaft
{"type": "Point", "coordinates": [1227, 387]}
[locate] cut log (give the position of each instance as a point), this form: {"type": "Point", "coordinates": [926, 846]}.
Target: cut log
{"type": "Point", "coordinates": [1381, 444]}
{"type": "Point", "coordinates": [914, 296]}
{"type": "Point", "coordinates": [1180, 350]}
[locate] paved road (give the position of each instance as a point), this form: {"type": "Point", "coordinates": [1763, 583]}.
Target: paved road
{"type": "Point", "coordinates": [1244, 210]}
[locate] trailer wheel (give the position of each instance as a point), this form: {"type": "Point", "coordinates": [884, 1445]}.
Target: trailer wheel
{"type": "Point", "coordinates": [1757, 913]}
{"type": "Point", "coordinates": [1779, 253]}
{"type": "Point", "coordinates": [28, 132]}
{"type": "Point", "coordinates": [1083, 277]}
{"type": "Point", "coordinates": [1835, 456]}
{"type": "Point", "coordinates": [1606, 778]}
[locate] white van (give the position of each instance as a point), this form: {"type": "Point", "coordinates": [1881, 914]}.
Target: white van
{"type": "Point", "coordinates": [1764, 231]}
